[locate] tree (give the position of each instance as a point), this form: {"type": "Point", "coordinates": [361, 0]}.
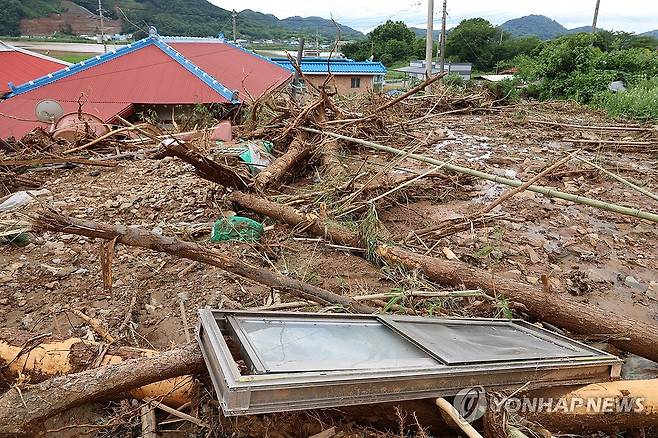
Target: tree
{"type": "Point", "coordinates": [389, 43]}
{"type": "Point", "coordinates": [10, 17]}
{"type": "Point", "coordinates": [473, 41]}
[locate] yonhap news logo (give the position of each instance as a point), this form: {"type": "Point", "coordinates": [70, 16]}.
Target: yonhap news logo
{"type": "Point", "coordinates": [472, 403]}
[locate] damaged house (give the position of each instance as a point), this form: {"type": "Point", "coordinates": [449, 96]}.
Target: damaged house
{"type": "Point", "coordinates": [155, 74]}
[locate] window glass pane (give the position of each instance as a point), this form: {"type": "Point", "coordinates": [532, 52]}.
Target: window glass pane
{"type": "Point", "coordinates": [476, 342]}
{"type": "Point", "coordinates": [289, 345]}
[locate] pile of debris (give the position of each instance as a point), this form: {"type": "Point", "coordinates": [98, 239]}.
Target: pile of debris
{"type": "Point", "coordinates": [372, 205]}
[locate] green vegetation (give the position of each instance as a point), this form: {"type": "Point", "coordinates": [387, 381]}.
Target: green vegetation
{"type": "Point", "coordinates": [485, 46]}
{"type": "Point", "coordinates": [581, 67]}
{"type": "Point", "coordinates": [392, 42]}
{"type": "Point", "coordinates": [534, 25]}
{"type": "Point", "coordinates": [13, 11]}
{"type": "Point", "coordinates": [73, 58]}
{"type": "Point", "coordinates": [640, 102]}
{"type": "Point", "coordinates": [178, 17]}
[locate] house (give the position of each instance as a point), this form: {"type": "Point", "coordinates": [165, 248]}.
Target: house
{"type": "Point", "coordinates": [19, 65]}
{"type": "Point", "coordinates": [349, 76]}
{"type": "Point", "coordinates": [416, 69]}
{"type": "Point", "coordinates": [155, 73]}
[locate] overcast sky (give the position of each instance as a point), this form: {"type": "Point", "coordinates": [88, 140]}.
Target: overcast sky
{"type": "Point", "coordinates": [629, 15]}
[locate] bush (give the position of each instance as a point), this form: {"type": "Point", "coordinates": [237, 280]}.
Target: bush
{"type": "Point", "coordinates": [505, 91]}
{"type": "Point", "coordinates": [639, 102]}
{"type": "Point", "coordinates": [454, 80]}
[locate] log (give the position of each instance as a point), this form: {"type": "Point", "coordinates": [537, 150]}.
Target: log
{"type": "Point", "coordinates": [626, 333]}
{"type": "Point", "coordinates": [134, 236]}
{"type": "Point", "coordinates": [23, 412]}
{"type": "Point", "coordinates": [281, 167]}
{"type": "Point", "coordinates": [639, 399]}
{"type": "Point", "coordinates": [635, 336]}
{"type": "Point", "coordinates": [311, 222]}
{"type": "Point", "coordinates": [205, 167]}
{"type": "Point", "coordinates": [43, 357]}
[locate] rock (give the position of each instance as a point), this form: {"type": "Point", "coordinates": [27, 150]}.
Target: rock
{"type": "Point", "coordinates": [27, 322]}
{"type": "Point", "coordinates": [532, 280]}
{"type": "Point", "coordinates": [652, 291]}
{"type": "Point", "coordinates": [534, 257]}
{"type": "Point", "coordinates": [630, 281]}
{"type": "Point", "coordinates": [3, 301]}
{"type": "Point", "coordinates": [65, 272]}
{"type": "Point", "coordinates": [94, 173]}
{"type": "Point", "coordinates": [150, 308]}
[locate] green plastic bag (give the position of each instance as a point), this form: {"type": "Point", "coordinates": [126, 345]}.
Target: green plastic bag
{"type": "Point", "coordinates": [236, 228]}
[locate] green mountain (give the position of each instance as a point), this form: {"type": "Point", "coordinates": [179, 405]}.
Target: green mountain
{"type": "Point", "coordinates": [422, 33]}
{"type": "Point", "coordinates": [538, 25]}
{"type": "Point", "coordinates": [176, 17]}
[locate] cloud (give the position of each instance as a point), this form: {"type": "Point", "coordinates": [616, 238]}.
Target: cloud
{"type": "Point", "coordinates": [634, 16]}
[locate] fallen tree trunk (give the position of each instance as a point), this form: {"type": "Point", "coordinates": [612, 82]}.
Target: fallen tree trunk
{"type": "Point", "coordinates": [205, 167]}
{"type": "Point", "coordinates": [23, 412]}
{"type": "Point", "coordinates": [133, 236]}
{"type": "Point", "coordinates": [279, 168]}
{"type": "Point", "coordinates": [43, 357]}
{"type": "Point", "coordinates": [606, 406]}
{"type": "Point", "coordinates": [626, 333]}
{"type": "Point", "coordinates": [312, 223]}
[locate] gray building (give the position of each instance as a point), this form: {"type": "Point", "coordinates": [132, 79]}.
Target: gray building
{"type": "Point", "coordinates": [416, 69]}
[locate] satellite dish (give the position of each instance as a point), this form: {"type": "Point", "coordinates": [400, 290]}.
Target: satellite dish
{"type": "Point", "coordinates": [49, 111]}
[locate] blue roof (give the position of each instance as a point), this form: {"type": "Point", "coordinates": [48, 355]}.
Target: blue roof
{"type": "Point", "coordinates": [336, 66]}
{"type": "Point", "coordinates": [113, 54]}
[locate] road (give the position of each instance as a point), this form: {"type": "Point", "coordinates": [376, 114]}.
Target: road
{"type": "Point", "coordinates": [43, 46]}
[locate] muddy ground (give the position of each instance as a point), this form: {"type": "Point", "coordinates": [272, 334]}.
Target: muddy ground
{"type": "Point", "coordinates": [599, 257]}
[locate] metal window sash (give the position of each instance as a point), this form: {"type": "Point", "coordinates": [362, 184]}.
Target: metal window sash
{"type": "Point", "coordinates": [253, 394]}
{"type": "Point", "coordinates": [394, 322]}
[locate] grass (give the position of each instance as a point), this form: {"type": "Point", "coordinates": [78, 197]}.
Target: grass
{"type": "Point", "coordinates": [639, 102]}
{"type": "Point", "coordinates": [73, 58]}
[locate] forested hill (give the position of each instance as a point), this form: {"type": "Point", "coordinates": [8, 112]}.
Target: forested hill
{"type": "Point", "coordinates": [171, 17]}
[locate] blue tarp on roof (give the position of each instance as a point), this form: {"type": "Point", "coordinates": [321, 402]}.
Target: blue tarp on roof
{"type": "Point", "coordinates": [336, 66]}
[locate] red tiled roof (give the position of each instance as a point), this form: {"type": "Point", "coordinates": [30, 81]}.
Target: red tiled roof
{"type": "Point", "coordinates": [19, 67]}
{"type": "Point", "coordinates": [236, 68]}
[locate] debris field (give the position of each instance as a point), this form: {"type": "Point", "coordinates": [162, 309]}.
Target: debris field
{"type": "Point", "coordinates": [112, 245]}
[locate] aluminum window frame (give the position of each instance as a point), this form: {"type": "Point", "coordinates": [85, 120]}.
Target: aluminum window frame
{"type": "Point", "coordinates": [265, 393]}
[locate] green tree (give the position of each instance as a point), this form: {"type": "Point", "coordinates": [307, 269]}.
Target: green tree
{"type": "Point", "coordinates": [389, 43]}
{"type": "Point", "coordinates": [474, 41]}
{"type": "Point", "coordinates": [10, 17]}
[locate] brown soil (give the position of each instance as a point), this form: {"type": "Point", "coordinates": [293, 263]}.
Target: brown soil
{"type": "Point", "coordinates": [588, 253]}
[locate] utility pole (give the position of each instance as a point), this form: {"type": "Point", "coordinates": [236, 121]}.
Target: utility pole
{"type": "Point", "coordinates": [428, 41]}
{"type": "Point", "coordinates": [596, 15]}
{"type": "Point", "coordinates": [100, 14]}
{"type": "Point", "coordinates": [442, 59]}
{"type": "Point", "coordinates": [234, 19]}
{"type": "Point", "coordinates": [296, 85]}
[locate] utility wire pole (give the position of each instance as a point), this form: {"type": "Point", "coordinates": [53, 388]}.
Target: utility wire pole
{"type": "Point", "coordinates": [296, 85]}
{"type": "Point", "coordinates": [100, 14]}
{"type": "Point", "coordinates": [428, 41]}
{"type": "Point", "coordinates": [596, 15]}
{"type": "Point", "coordinates": [234, 19]}
{"type": "Point", "coordinates": [442, 59]}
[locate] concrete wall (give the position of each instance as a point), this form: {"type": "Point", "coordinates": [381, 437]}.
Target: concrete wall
{"type": "Point", "coordinates": [342, 84]}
